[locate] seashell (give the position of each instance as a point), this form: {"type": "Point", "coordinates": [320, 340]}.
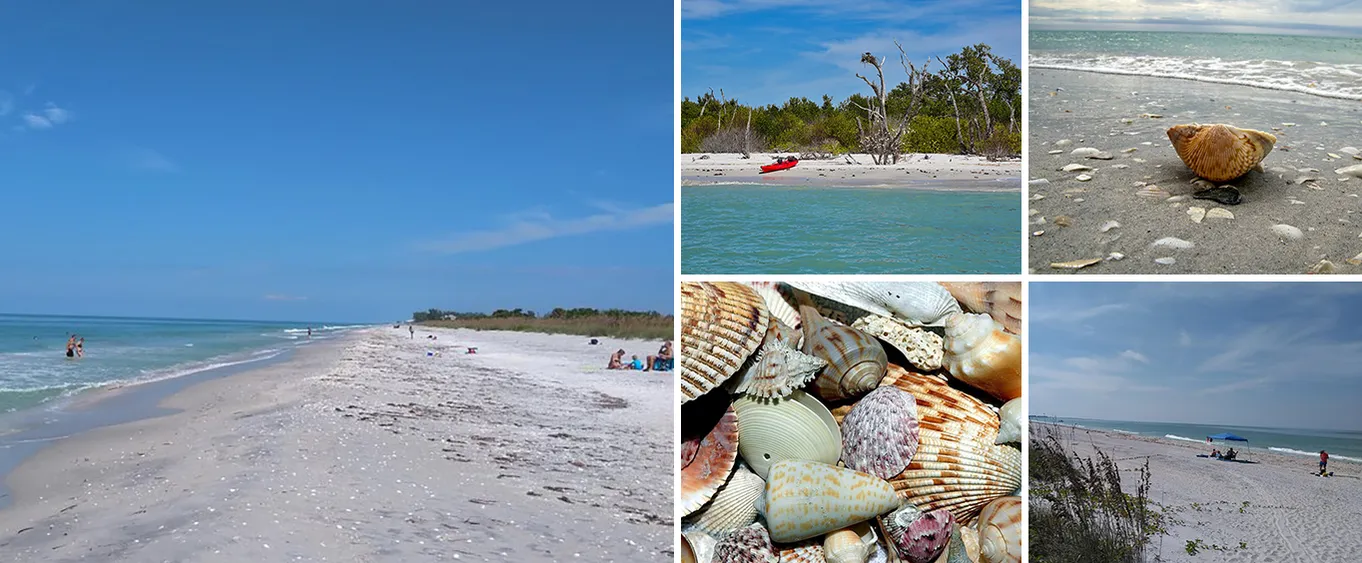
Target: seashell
{"type": "Point", "coordinates": [734, 506]}
{"type": "Point", "coordinates": [922, 348]}
{"type": "Point", "coordinates": [722, 324]}
{"type": "Point", "coordinates": [746, 545]}
{"type": "Point", "coordinates": [776, 303]}
{"type": "Point", "coordinates": [807, 551]}
{"type": "Point", "coordinates": [807, 498]}
{"type": "Point", "coordinates": [1000, 300]}
{"type": "Point", "coordinates": [708, 452]}
{"type": "Point", "coordinates": [687, 552]}
{"type": "Point", "coordinates": [1220, 153]}
{"type": "Point", "coordinates": [917, 536]}
{"type": "Point", "coordinates": [879, 434]}
{"type": "Point", "coordinates": [1354, 170]}
{"type": "Point", "coordinates": [964, 547]}
{"type": "Point", "coordinates": [850, 545]}
{"type": "Point", "coordinates": [979, 352]}
{"type": "Point", "coordinates": [793, 427]}
{"type": "Point", "coordinates": [1000, 531]}
{"type": "Point", "coordinates": [856, 360]}
{"type": "Point", "coordinates": [701, 544]}
{"type": "Point", "coordinates": [778, 368]}
{"type": "Point", "coordinates": [916, 303]}
{"type": "Point", "coordinates": [1010, 422]}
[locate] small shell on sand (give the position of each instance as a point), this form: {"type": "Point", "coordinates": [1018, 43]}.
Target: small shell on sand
{"type": "Point", "coordinates": [1063, 143]}
{"type": "Point", "coordinates": [1323, 267]}
{"type": "Point", "coordinates": [1173, 243]}
{"type": "Point", "coordinates": [1075, 168]}
{"type": "Point", "coordinates": [1109, 225]}
{"type": "Point", "coordinates": [1153, 192]}
{"type": "Point", "coordinates": [1075, 264]}
{"type": "Point", "coordinates": [1287, 232]}
{"type": "Point", "coordinates": [1166, 261]}
{"type": "Point", "coordinates": [1196, 213]}
{"type": "Point", "coordinates": [1219, 213]}
{"type": "Point", "coordinates": [1219, 152]}
{"type": "Point", "coordinates": [1354, 170]}
{"type": "Point", "coordinates": [1083, 177]}
{"type": "Point", "coordinates": [1084, 151]}
{"type": "Point", "coordinates": [1056, 151]}
{"type": "Point", "coordinates": [1356, 260]}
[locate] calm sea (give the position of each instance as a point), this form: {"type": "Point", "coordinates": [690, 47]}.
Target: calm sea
{"type": "Point", "coordinates": [1291, 441]}
{"type": "Point", "coordinates": [742, 229]}
{"type": "Point", "coordinates": [1322, 66]}
{"type": "Point", "coordinates": [34, 368]}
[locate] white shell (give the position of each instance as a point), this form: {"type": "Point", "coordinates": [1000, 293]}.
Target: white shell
{"type": "Point", "coordinates": [850, 545]}
{"type": "Point", "coordinates": [795, 427]}
{"type": "Point", "coordinates": [734, 506]}
{"type": "Point", "coordinates": [1011, 420]}
{"type": "Point", "coordinates": [915, 303]}
{"type": "Point", "coordinates": [776, 303]}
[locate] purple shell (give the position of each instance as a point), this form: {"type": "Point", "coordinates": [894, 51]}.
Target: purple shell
{"type": "Point", "coordinates": [745, 545]}
{"type": "Point", "coordinates": [879, 435]}
{"type": "Point", "coordinates": [919, 537]}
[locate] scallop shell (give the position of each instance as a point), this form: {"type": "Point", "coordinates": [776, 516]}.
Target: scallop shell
{"type": "Point", "coordinates": [1220, 153]}
{"type": "Point", "coordinates": [916, 303]}
{"type": "Point", "coordinates": [746, 545]}
{"type": "Point", "coordinates": [734, 506]}
{"type": "Point", "coordinates": [794, 427]}
{"type": "Point", "coordinates": [918, 536]}
{"type": "Point", "coordinates": [722, 323]}
{"type": "Point", "coordinates": [979, 352]}
{"type": "Point", "coordinates": [776, 303]}
{"type": "Point", "coordinates": [879, 434]}
{"type": "Point", "coordinates": [1000, 531]}
{"type": "Point", "coordinates": [807, 498]}
{"type": "Point", "coordinates": [856, 360]}
{"type": "Point", "coordinates": [922, 348]}
{"type": "Point", "coordinates": [707, 456]}
{"type": "Point", "coordinates": [1000, 300]}
{"type": "Point", "coordinates": [778, 368]}
{"type": "Point", "coordinates": [850, 545]}
{"type": "Point", "coordinates": [807, 551]}
{"type": "Point", "coordinates": [1011, 420]}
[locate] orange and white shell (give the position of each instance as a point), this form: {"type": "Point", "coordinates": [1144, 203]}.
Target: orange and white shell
{"type": "Point", "coordinates": [1218, 152]}
{"type": "Point", "coordinates": [1000, 300]}
{"type": "Point", "coordinates": [722, 324]}
{"type": "Point", "coordinates": [1000, 531]}
{"type": "Point", "coordinates": [980, 353]}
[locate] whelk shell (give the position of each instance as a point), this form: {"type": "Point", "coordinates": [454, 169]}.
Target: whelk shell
{"type": "Point", "coordinates": [979, 352]}
{"type": "Point", "coordinates": [734, 506]}
{"type": "Point", "coordinates": [807, 498]}
{"type": "Point", "coordinates": [1219, 152]}
{"type": "Point", "coordinates": [850, 545]}
{"type": "Point", "coordinates": [793, 427]}
{"type": "Point", "coordinates": [916, 303]}
{"type": "Point", "coordinates": [722, 323]}
{"type": "Point", "coordinates": [778, 368]}
{"type": "Point", "coordinates": [879, 434]}
{"type": "Point", "coordinates": [1000, 531]}
{"type": "Point", "coordinates": [1000, 300]}
{"type": "Point", "coordinates": [708, 451]}
{"type": "Point", "coordinates": [856, 361]}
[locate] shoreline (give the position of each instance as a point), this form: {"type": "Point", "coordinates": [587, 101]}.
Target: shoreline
{"type": "Point", "coordinates": [912, 169]}
{"type": "Point", "coordinates": [1009, 184]}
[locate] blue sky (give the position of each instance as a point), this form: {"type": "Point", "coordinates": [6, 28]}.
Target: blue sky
{"type": "Point", "coordinates": [1248, 354]}
{"type": "Point", "coordinates": [1313, 17]}
{"type": "Point", "coordinates": [311, 160]}
{"type": "Point", "coordinates": [767, 51]}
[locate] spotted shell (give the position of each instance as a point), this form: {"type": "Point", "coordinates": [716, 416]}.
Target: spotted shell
{"type": "Point", "coordinates": [734, 506]}
{"type": "Point", "coordinates": [916, 303]}
{"type": "Point", "coordinates": [722, 324]}
{"type": "Point", "coordinates": [879, 434]}
{"type": "Point", "coordinates": [980, 353]}
{"type": "Point", "coordinates": [795, 427]}
{"type": "Point", "coordinates": [1000, 300]}
{"type": "Point", "coordinates": [746, 545]}
{"type": "Point", "coordinates": [805, 499]}
{"type": "Point", "coordinates": [1220, 153]}
{"type": "Point", "coordinates": [807, 551]}
{"type": "Point", "coordinates": [1000, 531]}
{"type": "Point", "coordinates": [917, 536]}
{"type": "Point", "coordinates": [708, 451]}
{"type": "Point", "coordinates": [856, 361]}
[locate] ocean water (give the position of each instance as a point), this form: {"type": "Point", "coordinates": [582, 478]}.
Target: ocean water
{"type": "Point", "coordinates": [1329, 67]}
{"type": "Point", "coordinates": [34, 368]}
{"type": "Point", "coordinates": [745, 229]}
{"type": "Point", "coordinates": [1290, 441]}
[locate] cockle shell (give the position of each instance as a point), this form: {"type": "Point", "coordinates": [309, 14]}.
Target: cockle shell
{"type": "Point", "coordinates": [916, 303]}
{"type": "Point", "coordinates": [1000, 531]}
{"type": "Point", "coordinates": [1000, 300]}
{"type": "Point", "coordinates": [923, 349]}
{"type": "Point", "coordinates": [722, 324]}
{"type": "Point", "coordinates": [708, 451]}
{"type": "Point", "coordinates": [980, 353]}
{"type": "Point", "coordinates": [746, 545]}
{"type": "Point", "coordinates": [856, 360]}
{"type": "Point", "coordinates": [1010, 422]}
{"type": "Point", "coordinates": [807, 551]}
{"type": "Point", "coordinates": [807, 498]}
{"type": "Point", "coordinates": [778, 367]}
{"type": "Point", "coordinates": [917, 536]}
{"type": "Point", "coordinates": [776, 303]}
{"type": "Point", "coordinates": [879, 435]}
{"type": "Point", "coordinates": [850, 545]}
{"type": "Point", "coordinates": [1220, 153]}
{"type": "Point", "coordinates": [734, 506]}
{"type": "Point", "coordinates": [794, 427]}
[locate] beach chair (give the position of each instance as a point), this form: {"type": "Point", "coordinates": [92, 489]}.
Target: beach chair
{"type": "Point", "coordinates": [472, 350]}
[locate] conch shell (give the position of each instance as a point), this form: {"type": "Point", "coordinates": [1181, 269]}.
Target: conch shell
{"type": "Point", "coordinates": [1000, 300]}
{"type": "Point", "coordinates": [980, 353]}
{"type": "Point", "coordinates": [1000, 531]}
{"type": "Point", "coordinates": [856, 361]}
{"type": "Point", "coordinates": [1011, 422]}
{"type": "Point", "coordinates": [1220, 153]}
{"type": "Point", "coordinates": [722, 323]}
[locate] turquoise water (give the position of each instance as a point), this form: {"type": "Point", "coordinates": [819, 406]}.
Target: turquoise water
{"type": "Point", "coordinates": [813, 230]}
{"type": "Point", "coordinates": [1322, 66]}
{"type": "Point", "coordinates": [1291, 441]}
{"type": "Point", "coordinates": [34, 368]}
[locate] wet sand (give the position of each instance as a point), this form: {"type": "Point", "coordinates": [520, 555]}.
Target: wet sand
{"type": "Point", "coordinates": [929, 171]}
{"type": "Point", "coordinates": [1105, 112]}
{"type": "Point", "coordinates": [368, 449]}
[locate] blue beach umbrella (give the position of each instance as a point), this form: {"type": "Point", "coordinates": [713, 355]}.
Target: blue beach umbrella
{"type": "Point", "coordinates": [1229, 437]}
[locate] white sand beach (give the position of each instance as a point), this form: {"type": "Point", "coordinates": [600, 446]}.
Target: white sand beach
{"type": "Point", "coordinates": [1288, 514]}
{"type": "Point", "coordinates": [369, 449]}
{"type": "Point", "coordinates": [711, 168]}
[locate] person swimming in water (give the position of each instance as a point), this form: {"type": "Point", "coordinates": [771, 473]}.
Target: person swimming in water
{"type": "Point", "coordinates": [80, 347]}
{"type": "Point", "coordinates": [71, 346]}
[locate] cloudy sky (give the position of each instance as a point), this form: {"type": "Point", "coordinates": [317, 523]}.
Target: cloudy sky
{"type": "Point", "coordinates": [1325, 17]}
{"type": "Point", "coordinates": [1244, 354]}
{"type": "Point", "coordinates": [767, 51]}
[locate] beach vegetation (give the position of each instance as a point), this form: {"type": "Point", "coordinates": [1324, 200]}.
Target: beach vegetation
{"type": "Point", "coordinates": [584, 321]}
{"type": "Point", "coordinates": [970, 104]}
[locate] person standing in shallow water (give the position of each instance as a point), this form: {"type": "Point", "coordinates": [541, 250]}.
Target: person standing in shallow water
{"type": "Point", "coordinates": [71, 346]}
{"type": "Point", "coordinates": [80, 347]}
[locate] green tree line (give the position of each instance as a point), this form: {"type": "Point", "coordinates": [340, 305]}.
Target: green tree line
{"type": "Point", "coordinates": [558, 313]}
{"type": "Point", "coordinates": [966, 103]}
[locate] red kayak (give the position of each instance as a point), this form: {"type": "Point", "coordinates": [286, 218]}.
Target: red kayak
{"type": "Point", "coordinates": [786, 165]}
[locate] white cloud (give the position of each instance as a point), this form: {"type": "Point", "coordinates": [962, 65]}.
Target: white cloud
{"type": "Point", "coordinates": [535, 226]}
{"type": "Point", "coordinates": [148, 159]}
{"type": "Point", "coordinates": [1060, 314]}
{"type": "Point", "coordinates": [55, 114]}
{"type": "Point", "coordinates": [1133, 355]}
{"type": "Point", "coordinates": [35, 121]}
{"type": "Point", "coordinates": [1184, 339]}
{"type": "Point", "coordinates": [282, 297]}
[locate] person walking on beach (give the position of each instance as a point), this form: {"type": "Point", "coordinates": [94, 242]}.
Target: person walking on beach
{"type": "Point", "coordinates": [309, 333]}
{"type": "Point", "coordinates": [412, 330]}
{"type": "Point", "coordinates": [1323, 461]}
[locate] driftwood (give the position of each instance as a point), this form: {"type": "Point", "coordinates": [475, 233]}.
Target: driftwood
{"type": "Point", "coordinates": [879, 135]}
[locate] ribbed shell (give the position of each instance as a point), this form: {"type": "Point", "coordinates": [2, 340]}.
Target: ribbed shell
{"type": "Point", "coordinates": [918, 536]}
{"type": "Point", "coordinates": [778, 368]}
{"type": "Point", "coordinates": [1220, 153]}
{"type": "Point", "coordinates": [795, 427]}
{"type": "Point", "coordinates": [709, 463]}
{"type": "Point", "coordinates": [734, 506]}
{"type": "Point", "coordinates": [722, 324]}
{"type": "Point", "coordinates": [1000, 531]}
{"type": "Point", "coordinates": [1000, 300]}
{"type": "Point", "coordinates": [776, 303]}
{"type": "Point", "coordinates": [805, 499]}
{"type": "Point", "coordinates": [807, 551]}
{"type": "Point", "coordinates": [916, 303]}
{"type": "Point", "coordinates": [746, 545]}
{"type": "Point", "coordinates": [856, 360]}
{"type": "Point", "coordinates": [879, 435]}
{"type": "Point", "coordinates": [980, 353]}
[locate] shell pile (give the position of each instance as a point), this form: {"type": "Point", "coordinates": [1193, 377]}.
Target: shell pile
{"type": "Point", "coordinates": [1220, 153]}
{"type": "Point", "coordinates": [849, 422]}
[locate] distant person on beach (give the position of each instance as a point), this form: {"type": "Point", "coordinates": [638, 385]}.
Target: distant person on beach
{"type": "Point", "coordinates": [80, 347]}
{"type": "Point", "coordinates": [1323, 461]}
{"type": "Point", "coordinates": [663, 354]}
{"type": "Point", "coordinates": [616, 360]}
{"type": "Point", "coordinates": [309, 332]}
{"type": "Point", "coordinates": [412, 330]}
{"type": "Point", "coordinates": [636, 364]}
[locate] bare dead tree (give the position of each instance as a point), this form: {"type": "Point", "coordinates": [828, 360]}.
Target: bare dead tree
{"type": "Point", "coordinates": [879, 135]}
{"type": "Point", "coordinates": [747, 136]}
{"type": "Point", "coordinates": [951, 81]}
{"type": "Point", "coordinates": [706, 104]}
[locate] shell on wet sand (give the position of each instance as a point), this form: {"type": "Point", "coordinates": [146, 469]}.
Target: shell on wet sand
{"type": "Point", "coordinates": [734, 506]}
{"type": "Point", "coordinates": [1000, 300]}
{"type": "Point", "coordinates": [916, 303]}
{"type": "Point", "coordinates": [856, 361]}
{"type": "Point", "coordinates": [707, 455]}
{"type": "Point", "coordinates": [807, 498]}
{"type": "Point", "coordinates": [746, 545]}
{"type": "Point", "coordinates": [1011, 419]}
{"type": "Point", "coordinates": [980, 353]}
{"type": "Point", "coordinates": [1000, 531]}
{"type": "Point", "coordinates": [879, 434]}
{"type": "Point", "coordinates": [794, 427]}
{"type": "Point", "coordinates": [722, 324]}
{"type": "Point", "coordinates": [1219, 152]}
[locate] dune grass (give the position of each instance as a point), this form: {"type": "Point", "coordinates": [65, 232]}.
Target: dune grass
{"type": "Point", "coordinates": [645, 328]}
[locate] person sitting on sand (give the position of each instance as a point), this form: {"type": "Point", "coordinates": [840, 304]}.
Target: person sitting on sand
{"type": "Point", "coordinates": [1215, 452]}
{"type": "Point", "coordinates": [1324, 461]}
{"type": "Point", "coordinates": [616, 360]}
{"type": "Point", "coordinates": [637, 364]}
{"type": "Point", "coordinates": [1230, 454]}
{"type": "Point", "coordinates": [663, 354]}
